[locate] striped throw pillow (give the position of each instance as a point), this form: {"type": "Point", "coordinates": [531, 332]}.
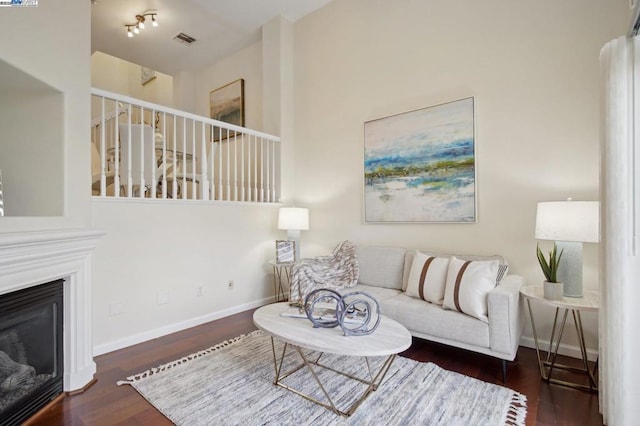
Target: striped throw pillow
{"type": "Point", "coordinates": [428, 277]}
{"type": "Point", "coordinates": [502, 271]}
{"type": "Point", "coordinates": [468, 283]}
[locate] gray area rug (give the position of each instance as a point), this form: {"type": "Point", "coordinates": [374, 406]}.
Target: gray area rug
{"type": "Point", "coordinates": [232, 384]}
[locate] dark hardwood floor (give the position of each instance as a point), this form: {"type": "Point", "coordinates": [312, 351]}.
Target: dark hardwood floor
{"type": "Point", "coordinates": [105, 403]}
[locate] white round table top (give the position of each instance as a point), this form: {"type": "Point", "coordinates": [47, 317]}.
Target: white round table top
{"type": "Point", "coordinates": [590, 300]}
{"type": "Point", "coordinates": [389, 338]}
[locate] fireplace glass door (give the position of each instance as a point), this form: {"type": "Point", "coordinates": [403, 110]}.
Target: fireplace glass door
{"type": "Point", "coordinates": [31, 324]}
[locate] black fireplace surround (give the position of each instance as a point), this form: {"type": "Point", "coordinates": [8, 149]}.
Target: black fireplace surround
{"type": "Point", "coordinates": [31, 353]}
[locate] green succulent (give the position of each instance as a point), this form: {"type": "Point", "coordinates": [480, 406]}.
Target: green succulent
{"type": "Point", "coordinates": [550, 267]}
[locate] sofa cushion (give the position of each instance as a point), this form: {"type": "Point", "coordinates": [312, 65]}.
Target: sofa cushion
{"type": "Point", "coordinates": [378, 293]}
{"type": "Point", "coordinates": [427, 278]}
{"type": "Point", "coordinates": [381, 266]}
{"type": "Point", "coordinates": [468, 283]}
{"type": "Point", "coordinates": [430, 319]}
{"type": "Point", "coordinates": [408, 260]}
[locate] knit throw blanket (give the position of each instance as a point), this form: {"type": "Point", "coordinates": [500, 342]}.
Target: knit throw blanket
{"type": "Point", "coordinates": [339, 270]}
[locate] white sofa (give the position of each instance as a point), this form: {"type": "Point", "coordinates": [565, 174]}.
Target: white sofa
{"type": "Point", "coordinates": [384, 273]}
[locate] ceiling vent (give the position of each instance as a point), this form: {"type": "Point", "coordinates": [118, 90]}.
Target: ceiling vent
{"type": "Point", "coordinates": [183, 38]}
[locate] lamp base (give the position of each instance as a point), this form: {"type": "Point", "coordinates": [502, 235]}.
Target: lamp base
{"type": "Point", "coordinates": [294, 235]}
{"type": "Point", "coordinates": [570, 270]}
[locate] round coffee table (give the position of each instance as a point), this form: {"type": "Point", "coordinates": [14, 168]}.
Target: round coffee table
{"type": "Point", "coordinates": [389, 339]}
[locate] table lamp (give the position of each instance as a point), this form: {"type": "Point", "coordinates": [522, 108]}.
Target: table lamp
{"type": "Point", "coordinates": [569, 223]}
{"type": "Point", "coordinates": [294, 220]}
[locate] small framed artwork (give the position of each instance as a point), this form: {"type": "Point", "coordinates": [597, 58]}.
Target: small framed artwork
{"type": "Point", "coordinates": [285, 251]}
{"type": "Point", "coordinates": [226, 104]}
{"type": "Point", "coordinates": [146, 75]}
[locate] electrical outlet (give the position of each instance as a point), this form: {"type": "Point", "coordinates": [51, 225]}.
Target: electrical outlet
{"type": "Point", "coordinates": [116, 308]}
{"type": "Point", "coordinates": [230, 284]}
{"type": "Point", "coordinates": [163, 297]}
{"type": "Point", "coordinates": [199, 290]}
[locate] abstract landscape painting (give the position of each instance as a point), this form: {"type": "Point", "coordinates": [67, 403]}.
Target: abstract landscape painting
{"type": "Point", "coordinates": [227, 104]}
{"type": "Point", "coordinates": [419, 166]}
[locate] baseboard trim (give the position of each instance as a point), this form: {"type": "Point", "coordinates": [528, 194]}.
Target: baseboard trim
{"type": "Point", "coordinates": [567, 350]}
{"type": "Point", "coordinates": [179, 326]}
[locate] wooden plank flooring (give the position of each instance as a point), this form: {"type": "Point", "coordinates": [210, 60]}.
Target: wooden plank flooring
{"type": "Point", "coordinates": [105, 403]}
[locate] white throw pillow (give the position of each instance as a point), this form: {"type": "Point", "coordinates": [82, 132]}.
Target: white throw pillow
{"type": "Point", "coordinates": [468, 283]}
{"type": "Point", "coordinates": [428, 277]}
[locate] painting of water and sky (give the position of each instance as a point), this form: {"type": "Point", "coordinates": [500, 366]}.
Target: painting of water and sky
{"type": "Point", "coordinates": [419, 166]}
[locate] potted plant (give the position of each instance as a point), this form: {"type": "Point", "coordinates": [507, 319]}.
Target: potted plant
{"type": "Point", "coordinates": [553, 289]}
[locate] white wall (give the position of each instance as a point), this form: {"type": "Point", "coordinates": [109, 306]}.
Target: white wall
{"type": "Point", "coordinates": [174, 247]}
{"type": "Point", "coordinates": [533, 70]}
{"type": "Point", "coordinates": [55, 50]}
{"type": "Point", "coordinates": [123, 77]}
{"type": "Point", "coordinates": [32, 153]}
{"type": "Point", "coordinates": [245, 64]}
{"type": "Point", "coordinates": [277, 100]}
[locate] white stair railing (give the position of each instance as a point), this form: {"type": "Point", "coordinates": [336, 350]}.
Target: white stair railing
{"type": "Point", "coordinates": [149, 151]}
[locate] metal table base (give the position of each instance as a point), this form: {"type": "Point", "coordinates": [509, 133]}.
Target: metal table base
{"type": "Point", "coordinates": [372, 383]}
{"type": "Point", "coordinates": [548, 365]}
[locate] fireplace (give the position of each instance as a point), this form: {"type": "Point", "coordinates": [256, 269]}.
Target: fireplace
{"type": "Point", "coordinates": [31, 357]}
{"type": "Point", "coordinates": [29, 260]}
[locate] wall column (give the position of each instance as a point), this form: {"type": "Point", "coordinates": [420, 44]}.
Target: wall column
{"type": "Point", "coordinates": [277, 95]}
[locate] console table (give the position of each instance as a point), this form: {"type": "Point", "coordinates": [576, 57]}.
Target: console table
{"type": "Point", "coordinates": [574, 305]}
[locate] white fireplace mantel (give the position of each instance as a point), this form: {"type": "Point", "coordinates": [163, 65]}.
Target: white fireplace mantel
{"type": "Point", "coordinates": [31, 258]}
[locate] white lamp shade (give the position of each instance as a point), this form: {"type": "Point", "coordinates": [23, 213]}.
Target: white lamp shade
{"type": "Point", "coordinates": [293, 218]}
{"type": "Point", "coordinates": [568, 221]}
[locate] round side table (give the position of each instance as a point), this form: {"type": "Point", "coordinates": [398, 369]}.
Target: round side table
{"type": "Point", "coordinates": [589, 302]}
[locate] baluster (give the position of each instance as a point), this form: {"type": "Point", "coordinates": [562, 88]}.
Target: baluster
{"type": "Point", "coordinates": [220, 193]}
{"type": "Point", "coordinates": [141, 191]}
{"type": "Point", "coordinates": [152, 154]}
{"type": "Point", "coordinates": [103, 177]}
{"type": "Point", "coordinates": [116, 155]}
{"type": "Point", "coordinates": [228, 185]}
{"type": "Point", "coordinates": [255, 168]}
{"type": "Point", "coordinates": [273, 171]}
{"type": "Point", "coordinates": [129, 176]}
{"type": "Point", "coordinates": [212, 160]}
{"type": "Point", "coordinates": [164, 155]}
{"type": "Point", "coordinates": [235, 166]}
{"type": "Point", "coordinates": [184, 163]}
{"type": "Point", "coordinates": [204, 184]}
{"type": "Point", "coordinates": [174, 167]}
{"type": "Point", "coordinates": [261, 169]}
{"type": "Point", "coordinates": [193, 159]}
{"type": "Point", "coordinates": [266, 172]}
{"type": "Point", "coordinates": [242, 191]}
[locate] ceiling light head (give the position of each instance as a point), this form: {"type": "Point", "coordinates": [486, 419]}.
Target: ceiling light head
{"type": "Point", "coordinates": [136, 30]}
{"type": "Point", "coordinates": [153, 21]}
{"type": "Point", "coordinates": [140, 19]}
{"type": "Point", "coordinates": [129, 33]}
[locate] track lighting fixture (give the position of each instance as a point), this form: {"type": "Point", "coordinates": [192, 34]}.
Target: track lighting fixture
{"type": "Point", "coordinates": [139, 24]}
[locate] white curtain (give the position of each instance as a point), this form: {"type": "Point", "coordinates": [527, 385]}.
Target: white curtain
{"type": "Point", "coordinates": [619, 327]}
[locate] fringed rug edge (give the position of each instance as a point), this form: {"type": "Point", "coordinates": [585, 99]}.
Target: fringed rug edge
{"type": "Point", "coordinates": [516, 411]}
{"type": "Point", "coordinates": [163, 367]}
